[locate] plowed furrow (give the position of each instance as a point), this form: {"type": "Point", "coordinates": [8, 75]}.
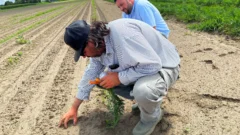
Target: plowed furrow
{"type": "Point", "coordinates": [35, 87]}
{"type": "Point", "coordinates": [59, 95]}
{"type": "Point", "coordinates": [10, 20]}
{"type": "Point", "coordinates": [16, 106]}
{"type": "Point", "coordinates": [12, 48]}
{"type": "Point", "coordinates": [29, 119]}
{"type": "Point", "coordinates": [10, 39]}
{"type": "Point", "coordinates": [35, 55]}
{"type": "Point", "coordinates": [8, 30]}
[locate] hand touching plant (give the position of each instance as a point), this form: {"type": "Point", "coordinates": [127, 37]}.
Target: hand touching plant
{"type": "Point", "coordinates": [114, 104]}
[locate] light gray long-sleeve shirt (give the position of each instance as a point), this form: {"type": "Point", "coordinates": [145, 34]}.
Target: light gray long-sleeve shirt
{"type": "Point", "coordinates": [137, 48]}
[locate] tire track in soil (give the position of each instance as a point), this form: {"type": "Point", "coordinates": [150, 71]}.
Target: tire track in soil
{"type": "Point", "coordinates": [20, 74]}
{"type": "Point", "coordinates": [37, 33]}
{"type": "Point", "coordinates": [59, 94]}
{"type": "Point", "coordinates": [34, 107]}
{"type": "Point", "coordinates": [18, 26]}
{"type": "Point", "coordinates": [11, 19]}
{"type": "Point", "coordinates": [27, 11]}
{"type": "Point", "coordinates": [11, 48]}
{"type": "Point", "coordinates": [17, 105]}
{"type": "Point", "coordinates": [28, 34]}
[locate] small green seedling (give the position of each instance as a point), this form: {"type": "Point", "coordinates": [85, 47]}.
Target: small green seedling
{"type": "Point", "coordinates": [187, 130]}
{"type": "Point", "coordinates": [11, 60]}
{"type": "Point", "coordinates": [19, 54]}
{"type": "Point", "coordinates": [21, 40]}
{"type": "Point", "coordinates": [115, 106]}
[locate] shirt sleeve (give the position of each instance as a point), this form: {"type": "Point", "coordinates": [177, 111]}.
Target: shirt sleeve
{"type": "Point", "coordinates": [147, 15]}
{"type": "Point", "coordinates": [92, 71]}
{"type": "Point", "coordinates": [139, 57]}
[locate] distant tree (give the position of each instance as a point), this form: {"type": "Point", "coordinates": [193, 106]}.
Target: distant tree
{"type": "Point", "coordinates": [18, 1]}
{"type": "Point", "coordinates": [8, 3]}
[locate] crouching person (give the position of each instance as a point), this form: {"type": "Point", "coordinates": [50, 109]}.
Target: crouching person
{"type": "Point", "coordinates": [141, 64]}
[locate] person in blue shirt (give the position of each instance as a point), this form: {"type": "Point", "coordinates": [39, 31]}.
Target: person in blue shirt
{"type": "Point", "coordinates": [144, 11]}
{"type": "Point", "coordinates": [146, 65]}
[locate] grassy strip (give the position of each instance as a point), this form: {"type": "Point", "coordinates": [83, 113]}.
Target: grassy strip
{"type": "Point", "coordinates": [204, 2]}
{"type": "Point", "coordinates": [94, 11]}
{"type": "Point", "coordinates": [39, 14]}
{"type": "Point", "coordinates": [220, 19]}
{"type": "Point", "coordinates": [110, 1]}
{"type": "Point", "coordinates": [16, 6]}
{"type": "Point", "coordinates": [30, 27]}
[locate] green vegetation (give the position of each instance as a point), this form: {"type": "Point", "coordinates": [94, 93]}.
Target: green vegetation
{"type": "Point", "coordinates": [218, 16]}
{"type": "Point", "coordinates": [40, 13]}
{"type": "Point", "coordinates": [94, 11]}
{"type": "Point", "coordinates": [115, 106]}
{"type": "Point", "coordinates": [14, 59]}
{"type": "Point", "coordinates": [20, 53]}
{"type": "Point", "coordinates": [11, 60]}
{"type": "Point", "coordinates": [34, 25]}
{"type": "Point", "coordinates": [16, 6]}
{"type": "Point", "coordinates": [187, 130]}
{"type": "Point", "coordinates": [21, 40]}
{"type": "Point", "coordinates": [24, 3]}
{"type": "Point", "coordinates": [110, 0]}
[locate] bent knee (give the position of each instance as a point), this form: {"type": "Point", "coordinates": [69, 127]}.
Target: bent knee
{"type": "Point", "coordinates": [149, 91]}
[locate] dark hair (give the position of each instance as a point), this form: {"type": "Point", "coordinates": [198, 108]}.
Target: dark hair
{"type": "Point", "coordinates": [97, 32]}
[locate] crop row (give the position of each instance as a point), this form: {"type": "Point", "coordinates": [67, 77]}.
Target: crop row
{"type": "Point", "coordinates": [35, 24]}
{"type": "Point", "coordinates": [216, 18]}
{"type": "Point", "coordinates": [205, 2]}
{"type": "Point", "coordinates": [15, 6]}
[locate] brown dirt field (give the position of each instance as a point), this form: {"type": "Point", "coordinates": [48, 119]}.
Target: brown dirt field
{"type": "Point", "coordinates": [37, 89]}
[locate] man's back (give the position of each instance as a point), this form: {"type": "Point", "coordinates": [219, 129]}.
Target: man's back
{"type": "Point", "coordinates": [144, 11]}
{"type": "Point", "coordinates": [131, 34]}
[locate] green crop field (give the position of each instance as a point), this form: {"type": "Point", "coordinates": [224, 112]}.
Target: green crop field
{"type": "Point", "coordinates": [218, 16]}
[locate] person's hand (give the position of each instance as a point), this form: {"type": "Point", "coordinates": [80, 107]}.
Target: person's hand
{"type": "Point", "coordinates": [71, 114]}
{"type": "Point", "coordinates": [110, 80]}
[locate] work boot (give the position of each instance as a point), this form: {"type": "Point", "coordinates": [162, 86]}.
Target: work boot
{"type": "Point", "coordinates": [146, 128]}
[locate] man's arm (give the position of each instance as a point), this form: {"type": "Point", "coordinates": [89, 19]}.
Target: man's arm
{"type": "Point", "coordinates": [94, 68]}
{"type": "Point", "coordinates": [71, 114]}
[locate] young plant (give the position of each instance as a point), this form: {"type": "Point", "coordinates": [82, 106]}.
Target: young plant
{"type": "Point", "coordinates": [21, 40]}
{"type": "Point", "coordinates": [12, 60]}
{"type": "Point", "coordinates": [19, 54]}
{"type": "Point", "coordinates": [114, 104]}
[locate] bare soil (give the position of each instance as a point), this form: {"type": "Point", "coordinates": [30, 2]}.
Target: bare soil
{"type": "Point", "coordinates": [40, 86]}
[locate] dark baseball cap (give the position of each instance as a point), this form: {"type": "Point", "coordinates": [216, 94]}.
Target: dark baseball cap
{"type": "Point", "coordinates": [76, 36]}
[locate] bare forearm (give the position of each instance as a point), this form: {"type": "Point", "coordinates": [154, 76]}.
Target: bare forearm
{"type": "Point", "coordinates": [77, 102]}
